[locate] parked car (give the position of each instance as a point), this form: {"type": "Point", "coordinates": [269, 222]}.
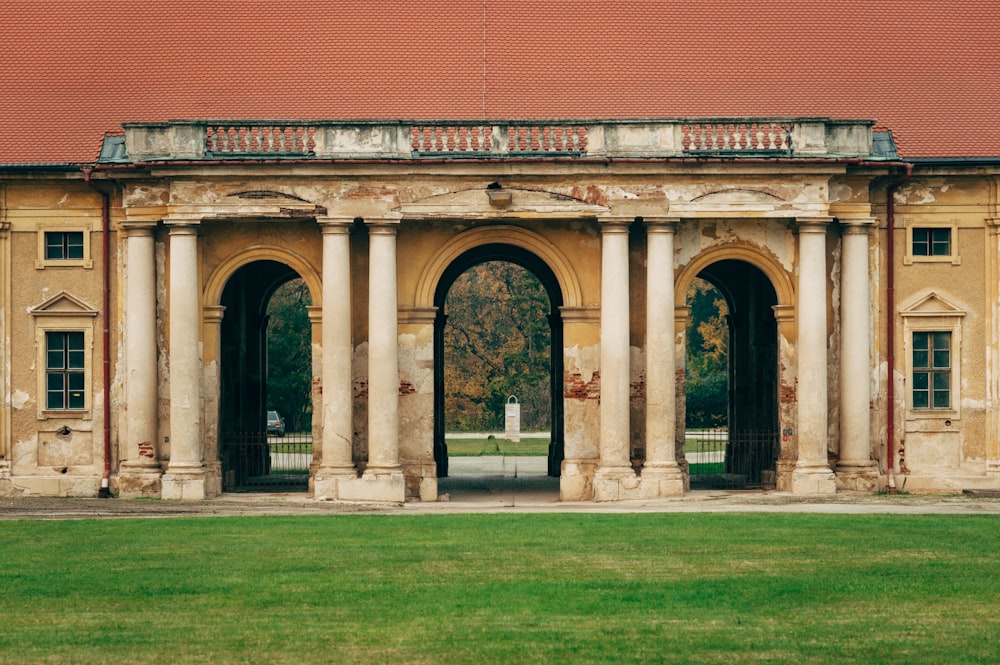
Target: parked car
{"type": "Point", "coordinates": [275, 423]}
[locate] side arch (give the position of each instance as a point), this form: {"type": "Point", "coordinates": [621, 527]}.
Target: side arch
{"type": "Point", "coordinates": [547, 252]}
{"type": "Point", "coordinates": [220, 275]}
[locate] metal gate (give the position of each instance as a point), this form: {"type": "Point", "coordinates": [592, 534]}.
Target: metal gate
{"type": "Point", "coordinates": [261, 462]}
{"type": "Point", "coordinates": [737, 459]}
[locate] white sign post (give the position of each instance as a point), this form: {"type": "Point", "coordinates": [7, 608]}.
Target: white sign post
{"type": "Point", "coordinates": [512, 420]}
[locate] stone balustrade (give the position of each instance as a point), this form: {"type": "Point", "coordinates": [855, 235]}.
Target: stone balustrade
{"type": "Point", "coordinates": [208, 140]}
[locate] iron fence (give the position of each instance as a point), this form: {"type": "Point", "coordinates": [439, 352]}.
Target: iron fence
{"type": "Point", "coordinates": [732, 459]}
{"type": "Point", "coordinates": [261, 462]}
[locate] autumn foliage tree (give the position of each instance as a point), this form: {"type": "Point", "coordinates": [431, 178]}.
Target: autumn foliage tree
{"type": "Point", "coordinates": [289, 355]}
{"type": "Point", "coordinates": [707, 364]}
{"type": "Point", "coordinates": [496, 344]}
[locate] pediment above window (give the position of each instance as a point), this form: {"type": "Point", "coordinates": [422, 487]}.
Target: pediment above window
{"type": "Point", "coordinates": [63, 304]}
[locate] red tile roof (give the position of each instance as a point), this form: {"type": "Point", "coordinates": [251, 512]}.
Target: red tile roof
{"type": "Point", "coordinates": [72, 70]}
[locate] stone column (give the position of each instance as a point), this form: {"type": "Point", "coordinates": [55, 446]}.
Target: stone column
{"type": "Point", "coordinates": [336, 373]}
{"type": "Point", "coordinates": [140, 471]}
{"type": "Point", "coordinates": [185, 474]}
{"type": "Point", "coordinates": [993, 340]}
{"type": "Point", "coordinates": [383, 477]}
{"type": "Point", "coordinates": [660, 469]}
{"type": "Point", "coordinates": [812, 474]}
{"type": "Point", "coordinates": [5, 302]}
{"type": "Point", "coordinates": [855, 469]}
{"type": "Point", "coordinates": [614, 466]}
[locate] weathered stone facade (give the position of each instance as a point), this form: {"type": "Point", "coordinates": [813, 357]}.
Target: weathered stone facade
{"type": "Point", "coordinates": [618, 217]}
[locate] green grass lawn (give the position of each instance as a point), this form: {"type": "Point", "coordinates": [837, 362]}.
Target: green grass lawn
{"type": "Point", "coordinates": [482, 589]}
{"type": "Point", "coordinates": [528, 447]}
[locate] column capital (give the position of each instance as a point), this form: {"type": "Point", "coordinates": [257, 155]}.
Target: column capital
{"type": "Point", "coordinates": [138, 229]}
{"type": "Point", "coordinates": [382, 226]}
{"type": "Point", "coordinates": [184, 228]}
{"type": "Point", "coordinates": [615, 223]}
{"type": "Point", "coordinates": [815, 224]}
{"type": "Point", "coordinates": [335, 224]}
{"type": "Point", "coordinates": [856, 225]}
{"type": "Point", "coordinates": [661, 224]}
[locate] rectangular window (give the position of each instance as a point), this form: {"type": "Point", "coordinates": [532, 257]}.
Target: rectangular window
{"type": "Point", "coordinates": [64, 371]}
{"type": "Point", "coordinates": [931, 242]}
{"type": "Point", "coordinates": [63, 245]}
{"type": "Point", "coordinates": [931, 370]}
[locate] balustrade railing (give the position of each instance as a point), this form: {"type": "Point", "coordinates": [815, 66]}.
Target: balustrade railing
{"type": "Point", "coordinates": [486, 139]}
{"type": "Point", "coordinates": [264, 139]}
{"type": "Point", "coordinates": [393, 139]}
{"type": "Point", "coordinates": [736, 136]}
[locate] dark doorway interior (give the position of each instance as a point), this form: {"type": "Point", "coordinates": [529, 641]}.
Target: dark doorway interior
{"type": "Point", "coordinates": [255, 455]}
{"type": "Point", "coordinates": [743, 454]}
{"type": "Point", "coordinates": [527, 260]}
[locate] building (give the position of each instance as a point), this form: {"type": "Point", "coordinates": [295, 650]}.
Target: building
{"type": "Point", "coordinates": [834, 175]}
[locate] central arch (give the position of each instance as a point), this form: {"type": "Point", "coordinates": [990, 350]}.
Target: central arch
{"type": "Point", "coordinates": [470, 257]}
{"type": "Point", "coordinates": [758, 295]}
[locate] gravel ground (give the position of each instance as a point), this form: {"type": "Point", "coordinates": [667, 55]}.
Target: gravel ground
{"type": "Point", "coordinates": [508, 499]}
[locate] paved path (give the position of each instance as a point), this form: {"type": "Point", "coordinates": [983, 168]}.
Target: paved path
{"type": "Point", "coordinates": [492, 484]}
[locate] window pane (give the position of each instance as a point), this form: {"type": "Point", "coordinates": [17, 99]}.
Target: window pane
{"type": "Point", "coordinates": [942, 359]}
{"type": "Point", "coordinates": [74, 341]}
{"type": "Point", "coordinates": [920, 360]}
{"type": "Point", "coordinates": [54, 360]}
{"type": "Point", "coordinates": [54, 381]}
{"type": "Point", "coordinates": [75, 360]}
{"type": "Point", "coordinates": [920, 341]}
{"type": "Point", "coordinates": [76, 395]}
{"type": "Point", "coordinates": [919, 399]}
{"type": "Point", "coordinates": [53, 245]}
{"type": "Point", "coordinates": [941, 242]}
{"type": "Point", "coordinates": [74, 245]}
{"type": "Point", "coordinates": [921, 381]}
{"type": "Point", "coordinates": [55, 340]}
{"type": "Point", "coordinates": [921, 242]}
{"type": "Point", "coordinates": [941, 399]}
{"type": "Point", "coordinates": [54, 401]}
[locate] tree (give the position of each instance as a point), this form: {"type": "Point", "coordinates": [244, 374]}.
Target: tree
{"type": "Point", "coordinates": [707, 364]}
{"type": "Point", "coordinates": [496, 344]}
{"type": "Point", "coordinates": [289, 355]}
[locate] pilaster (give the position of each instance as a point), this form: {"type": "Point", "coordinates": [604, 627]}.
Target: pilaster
{"type": "Point", "coordinates": [993, 344]}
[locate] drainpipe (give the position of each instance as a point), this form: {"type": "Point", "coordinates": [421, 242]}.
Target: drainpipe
{"type": "Point", "coordinates": [890, 344]}
{"type": "Point", "coordinates": [105, 491]}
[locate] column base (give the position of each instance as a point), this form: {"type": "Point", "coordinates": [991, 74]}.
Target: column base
{"type": "Point", "coordinates": [662, 481]}
{"type": "Point", "coordinates": [140, 482]}
{"type": "Point", "coordinates": [189, 484]}
{"type": "Point", "coordinates": [326, 480]}
{"type": "Point", "coordinates": [576, 480]}
{"type": "Point", "coordinates": [376, 485]}
{"type": "Point", "coordinates": [857, 477]}
{"type": "Point", "coordinates": [616, 483]}
{"type": "Point", "coordinates": [813, 480]}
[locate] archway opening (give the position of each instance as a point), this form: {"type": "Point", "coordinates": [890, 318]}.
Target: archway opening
{"type": "Point", "coordinates": [265, 410]}
{"type": "Point", "coordinates": [498, 341]}
{"type": "Point", "coordinates": [731, 387]}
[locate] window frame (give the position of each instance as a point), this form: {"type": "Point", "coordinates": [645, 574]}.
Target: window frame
{"type": "Point", "coordinates": [42, 261]}
{"type": "Point", "coordinates": [953, 257]}
{"type": "Point", "coordinates": [64, 313]}
{"type": "Point", "coordinates": [933, 314]}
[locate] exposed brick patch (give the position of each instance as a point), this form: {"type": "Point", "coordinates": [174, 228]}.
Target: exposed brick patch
{"type": "Point", "coordinates": [146, 450]}
{"type": "Point", "coordinates": [574, 387]}
{"type": "Point", "coordinates": [787, 394]}
{"type": "Point", "coordinates": [638, 390]}
{"type": "Point", "coordinates": [406, 388]}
